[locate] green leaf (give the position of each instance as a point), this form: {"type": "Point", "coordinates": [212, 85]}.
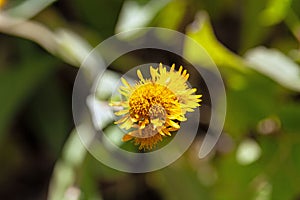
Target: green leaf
{"type": "Point", "coordinates": [251, 103]}
{"type": "Point", "coordinates": [100, 15]}
{"type": "Point", "coordinates": [275, 12]}
{"type": "Point", "coordinates": [19, 83]}
{"type": "Point", "coordinates": [177, 9]}
{"type": "Point", "coordinates": [252, 31]}
{"type": "Point", "coordinates": [50, 115]}
{"type": "Point", "coordinates": [289, 116]}
{"type": "Point", "coordinates": [235, 180]}
{"type": "Point", "coordinates": [65, 170]}
{"type": "Point", "coordinates": [183, 179]}
{"type": "Point", "coordinates": [201, 31]}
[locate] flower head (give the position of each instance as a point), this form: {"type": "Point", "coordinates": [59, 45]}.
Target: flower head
{"type": "Point", "coordinates": [153, 108]}
{"type": "Point", "coordinates": [2, 3]}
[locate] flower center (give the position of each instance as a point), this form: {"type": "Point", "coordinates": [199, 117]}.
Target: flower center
{"type": "Point", "coordinates": [157, 119]}
{"type": "Point", "coordinates": [152, 102]}
{"type": "Point", "coordinates": [157, 112]}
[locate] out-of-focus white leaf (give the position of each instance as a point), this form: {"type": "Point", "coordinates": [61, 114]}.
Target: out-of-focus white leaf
{"type": "Point", "coordinates": [28, 29]}
{"type": "Point", "coordinates": [134, 15]}
{"type": "Point", "coordinates": [71, 47]}
{"type": "Point", "coordinates": [101, 112]}
{"type": "Point", "coordinates": [264, 191]}
{"type": "Point", "coordinates": [107, 84]}
{"type": "Point", "coordinates": [63, 43]}
{"type": "Point", "coordinates": [248, 152]}
{"type": "Point", "coordinates": [275, 65]}
{"type": "Point", "coordinates": [29, 8]}
{"type": "Point", "coordinates": [64, 174]}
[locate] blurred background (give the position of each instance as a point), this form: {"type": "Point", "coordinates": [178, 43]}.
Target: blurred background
{"type": "Point", "coordinates": [254, 43]}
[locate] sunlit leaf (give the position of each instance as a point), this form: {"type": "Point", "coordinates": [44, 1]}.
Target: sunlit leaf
{"type": "Point", "coordinates": [71, 47]}
{"type": "Point", "coordinates": [175, 9]}
{"type": "Point", "coordinates": [275, 12]}
{"type": "Point", "coordinates": [201, 31]}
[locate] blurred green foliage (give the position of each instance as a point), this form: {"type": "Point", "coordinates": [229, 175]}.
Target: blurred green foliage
{"type": "Point", "coordinates": [40, 159]}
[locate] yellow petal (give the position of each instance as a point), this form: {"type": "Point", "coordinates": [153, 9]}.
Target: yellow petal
{"type": "Point", "coordinates": [153, 73]}
{"type": "Point", "coordinates": [140, 75]}
{"type": "Point", "coordinates": [173, 129]}
{"type": "Point", "coordinates": [166, 132]}
{"type": "Point", "coordinates": [123, 93]}
{"type": "Point", "coordinates": [127, 124]}
{"type": "Point", "coordinates": [125, 82]}
{"type": "Point", "coordinates": [123, 119]}
{"type": "Point", "coordinates": [180, 69]}
{"type": "Point", "coordinates": [121, 112]}
{"type": "Point", "coordinates": [126, 138]}
{"type": "Point", "coordinates": [172, 68]}
{"type": "Point", "coordinates": [173, 124]}
{"type": "Point", "coordinates": [187, 76]}
{"type": "Point", "coordinates": [162, 133]}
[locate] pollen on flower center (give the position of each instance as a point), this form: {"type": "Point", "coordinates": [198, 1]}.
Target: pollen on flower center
{"type": "Point", "coordinates": [150, 100]}
{"type": "Point", "coordinates": [157, 112]}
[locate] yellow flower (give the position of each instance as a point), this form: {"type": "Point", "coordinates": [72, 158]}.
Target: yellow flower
{"type": "Point", "coordinates": [2, 3]}
{"type": "Point", "coordinates": [154, 107]}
